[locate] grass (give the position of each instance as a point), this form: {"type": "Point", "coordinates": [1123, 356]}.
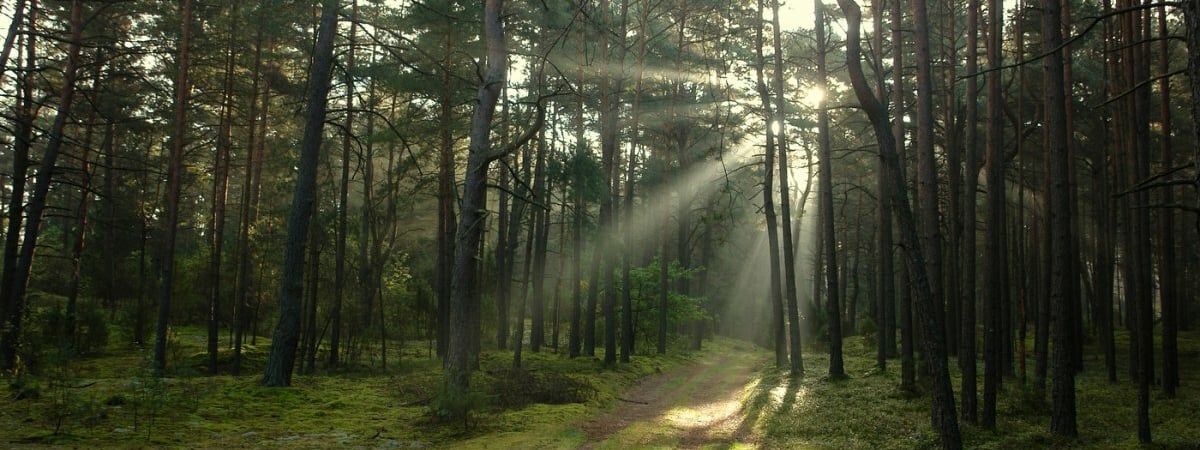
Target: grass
{"type": "Point", "coordinates": [869, 411]}
{"type": "Point", "coordinates": [111, 401]}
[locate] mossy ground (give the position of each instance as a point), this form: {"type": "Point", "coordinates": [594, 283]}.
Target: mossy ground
{"type": "Point", "coordinates": [869, 410]}
{"type": "Point", "coordinates": [110, 400]}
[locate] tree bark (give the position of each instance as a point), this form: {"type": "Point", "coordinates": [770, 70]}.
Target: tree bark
{"type": "Point", "coordinates": [995, 269]}
{"type": "Point", "coordinates": [966, 351]}
{"type": "Point", "coordinates": [1062, 419]}
{"type": "Point", "coordinates": [22, 141]}
{"type": "Point", "coordinates": [907, 369]}
{"type": "Point", "coordinates": [464, 292]}
{"type": "Point", "coordinates": [249, 210]}
{"type": "Point", "coordinates": [220, 191]}
{"type": "Point", "coordinates": [174, 175]}
{"type": "Point", "coordinates": [775, 295]}
{"type": "Point", "coordinates": [825, 192]}
{"type": "Point", "coordinates": [1167, 272]}
{"type": "Point", "coordinates": [927, 183]}
{"type": "Point", "coordinates": [943, 417]}
{"type": "Point", "coordinates": [926, 278]}
{"type": "Point", "coordinates": [282, 356]}
{"type": "Point", "coordinates": [885, 283]}
{"type": "Point", "coordinates": [785, 207]}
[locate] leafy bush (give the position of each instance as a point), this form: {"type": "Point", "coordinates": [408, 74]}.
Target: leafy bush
{"type": "Point", "coordinates": [644, 291]}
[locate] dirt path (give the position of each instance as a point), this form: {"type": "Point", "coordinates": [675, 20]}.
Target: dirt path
{"type": "Point", "coordinates": [693, 406]}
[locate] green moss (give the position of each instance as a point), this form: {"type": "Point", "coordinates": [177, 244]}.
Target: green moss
{"type": "Point", "coordinates": [869, 411]}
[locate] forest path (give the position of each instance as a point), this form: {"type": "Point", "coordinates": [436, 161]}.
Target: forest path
{"type": "Point", "coordinates": [695, 406]}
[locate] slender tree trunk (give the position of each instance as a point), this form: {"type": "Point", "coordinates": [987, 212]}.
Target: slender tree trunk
{"type": "Point", "coordinates": [1191, 16]}
{"type": "Point", "coordinates": [789, 258]}
{"type": "Point", "coordinates": [885, 283]}
{"type": "Point", "coordinates": [1143, 301]}
{"type": "Point", "coordinates": [78, 242]}
{"type": "Point", "coordinates": [927, 188]}
{"type": "Point", "coordinates": [540, 229]}
{"type": "Point", "coordinates": [309, 349]}
{"type": "Point", "coordinates": [775, 295]}
{"type": "Point", "coordinates": [23, 119]}
{"type": "Point", "coordinates": [1062, 419]}
{"type": "Point", "coordinates": [608, 117]}
{"type": "Point", "coordinates": [220, 192]}
{"type": "Point", "coordinates": [928, 275]}
{"type": "Point", "coordinates": [343, 224]}
{"type": "Point", "coordinates": [1167, 270]}
{"type": "Point", "coordinates": [995, 269]}
{"type": "Point", "coordinates": [249, 213]}
{"type": "Point", "coordinates": [966, 351]}
{"type": "Point", "coordinates": [281, 359]}
{"type": "Point", "coordinates": [174, 175]}
{"type": "Point", "coordinates": [954, 158]}
{"type": "Point", "coordinates": [527, 263]}
{"type": "Point", "coordinates": [464, 291]}
{"type": "Point", "coordinates": [446, 199]}
{"type": "Point", "coordinates": [574, 338]}
{"type": "Point", "coordinates": [504, 258]}
{"type": "Point", "coordinates": [907, 366]}
{"type": "Point", "coordinates": [10, 39]}
{"type": "Point", "coordinates": [516, 212]}
{"type": "Point", "coordinates": [627, 341]}
{"type": "Point", "coordinates": [825, 191]}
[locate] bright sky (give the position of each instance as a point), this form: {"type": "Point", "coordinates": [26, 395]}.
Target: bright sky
{"type": "Point", "coordinates": [795, 14]}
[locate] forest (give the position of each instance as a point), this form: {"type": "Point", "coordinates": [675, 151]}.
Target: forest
{"type": "Point", "coordinates": [600, 223]}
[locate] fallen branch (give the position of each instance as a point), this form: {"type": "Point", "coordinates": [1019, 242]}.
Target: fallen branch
{"type": "Point", "coordinates": [424, 401]}
{"type": "Point", "coordinates": [632, 401]}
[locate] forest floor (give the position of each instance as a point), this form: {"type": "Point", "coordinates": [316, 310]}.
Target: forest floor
{"type": "Point", "coordinates": [725, 396]}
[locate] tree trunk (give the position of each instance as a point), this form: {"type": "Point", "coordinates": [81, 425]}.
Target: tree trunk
{"type": "Point", "coordinates": [281, 359]}
{"type": "Point", "coordinates": [775, 295]}
{"type": "Point", "coordinates": [627, 338]}
{"type": "Point", "coordinates": [540, 228]}
{"type": "Point", "coordinates": [220, 191]}
{"type": "Point", "coordinates": [825, 191]}
{"type": "Point", "coordinates": [943, 417]}
{"type": "Point", "coordinates": [995, 269]}
{"type": "Point", "coordinates": [966, 351]}
{"type": "Point", "coordinates": [78, 242]}
{"type": "Point", "coordinates": [928, 277]}
{"type": "Point", "coordinates": [446, 237]}
{"type": "Point", "coordinates": [907, 369]}
{"type": "Point", "coordinates": [785, 207]}
{"type": "Point", "coordinates": [1062, 419]}
{"type": "Point", "coordinates": [22, 141]}
{"type": "Point", "coordinates": [309, 347]}
{"type": "Point", "coordinates": [1191, 16]}
{"type": "Point", "coordinates": [343, 224]}
{"type": "Point", "coordinates": [927, 183]}
{"type": "Point", "coordinates": [464, 292]}
{"type": "Point", "coordinates": [174, 175]}
{"type": "Point", "coordinates": [1167, 271]}
{"type": "Point", "coordinates": [249, 212]}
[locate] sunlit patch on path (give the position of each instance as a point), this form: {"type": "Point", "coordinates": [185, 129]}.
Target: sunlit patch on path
{"type": "Point", "coordinates": [698, 406]}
